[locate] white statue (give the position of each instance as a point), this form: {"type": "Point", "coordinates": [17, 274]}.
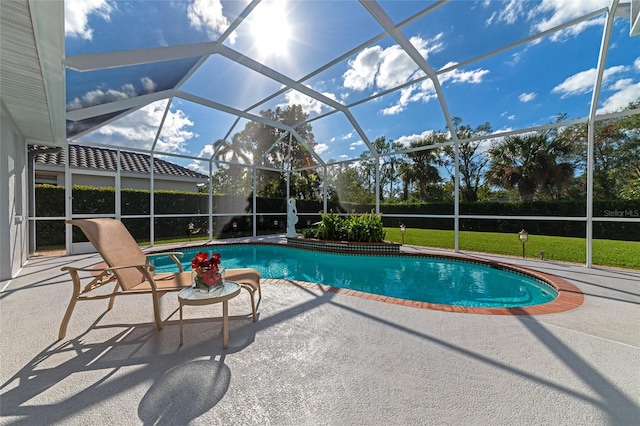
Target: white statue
{"type": "Point", "coordinates": [292, 218]}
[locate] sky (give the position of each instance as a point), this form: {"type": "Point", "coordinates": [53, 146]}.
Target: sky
{"type": "Point", "coordinates": [365, 84]}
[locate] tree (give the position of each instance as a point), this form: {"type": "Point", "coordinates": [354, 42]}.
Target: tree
{"type": "Point", "coordinates": [472, 159]}
{"type": "Point", "coordinates": [234, 178]}
{"type": "Point", "coordinates": [531, 163]}
{"type": "Point", "coordinates": [286, 155]}
{"type": "Point", "coordinates": [616, 154]}
{"type": "Point", "coordinates": [424, 162]}
{"type": "Point", "coordinates": [631, 179]}
{"type": "Point", "coordinates": [388, 168]}
{"type": "Point", "coordinates": [408, 176]}
{"type": "Point", "coordinates": [347, 185]}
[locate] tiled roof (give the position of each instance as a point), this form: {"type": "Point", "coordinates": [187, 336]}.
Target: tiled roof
{"type": "Point", "coordinates": [87, 157]}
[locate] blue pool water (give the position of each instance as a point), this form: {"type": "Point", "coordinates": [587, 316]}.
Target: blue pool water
{"type": "Point", "coordinates": [425, 279]}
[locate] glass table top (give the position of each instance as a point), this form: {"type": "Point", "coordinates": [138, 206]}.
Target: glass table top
{"type": "Point", "coordinates": [191, 293]}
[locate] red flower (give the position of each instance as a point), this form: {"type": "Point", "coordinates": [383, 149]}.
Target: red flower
{"type": "Point", "coordinates": [200, 260]}
{"type": "Point", "coordinates": [207, 267]}
{"type": "Point", "coordinates": [215, 260]}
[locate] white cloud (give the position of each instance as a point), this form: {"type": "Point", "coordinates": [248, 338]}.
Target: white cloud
{"type": "Point", "coordinates": [418, 92]}
{"type": "Point", "coordinates": [508, 13]}
{"type": "Point", "coordinates": [425, 91]}
{"type": "Point", "coordinates": [309, 104]}
{"type": "Point", "coordinates": [527, 97]}
{"type": "Point", "coordinates": [406, 140]}
{"type": "Point", "coordinates": [348, 136]}
{"type": "Point", "coordinates": [76, 13]}
{"type": "Point", "coordinates": [199, 165]}
{"type": "Point", "coordinates": [583, 81]}
{"type": "Point", "coordinates": [320, 148]}
{"type": "Point", "coordinates": [503, 130]}
{"type": "Point", "coordinates": [389, 67]}
{"type": "Point", "coordinates": [625, 92]}
{"type": "Point", "coordinates": [456, 76]}
{"type": "Point", "coordinates": [636, 64]}
{"type": "Point", "coordinates": [149, 85]}
{"type": "Point", "coordinates": [558, 12]}
{"type": "Point", "coordinates": [363, 69]}
{"type": "Point", "coordinates": [140, 128]}
{"type": "Point", "coordinates": [208, 14]}
{"type": "Point", "coordinates": [397, 67]}
{"type": "Point", "coordinates": [359, 142]}
{"type": "Point", "coordinates": [509, 116]}
{"type": "Point", "coordinates": [548, 14]}
{"type": "Point", "coordinates": [99, 96]}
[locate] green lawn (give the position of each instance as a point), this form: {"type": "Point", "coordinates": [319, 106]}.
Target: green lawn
{"type": "Point", "coordinates": [625, 254]}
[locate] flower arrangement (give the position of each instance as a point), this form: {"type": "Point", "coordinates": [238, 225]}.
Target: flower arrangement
{"type": "Point", "coordinates": [207, 271]}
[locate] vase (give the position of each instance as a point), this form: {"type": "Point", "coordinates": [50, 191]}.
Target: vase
{"type": "Point", "coordinates": [208, 280]}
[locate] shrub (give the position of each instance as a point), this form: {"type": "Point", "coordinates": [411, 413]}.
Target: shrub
{"type": "Point", "coordinates": [353, 227]}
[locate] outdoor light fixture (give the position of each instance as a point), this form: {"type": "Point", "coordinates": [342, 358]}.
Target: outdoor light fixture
{"type": "Point", "coordinates": [191, 227]}
{"type": "Point", "coordinates": [275, 223]}
{"type": "Point", "coordinates": [524, 236]}
{"type": "Point", "coordinates": [235, 226]}
{"type": "Point", "coordinates": [402, 231]}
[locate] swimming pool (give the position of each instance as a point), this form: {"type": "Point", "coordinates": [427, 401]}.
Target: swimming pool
{"type": "Point", "coordinates": [418, 278]}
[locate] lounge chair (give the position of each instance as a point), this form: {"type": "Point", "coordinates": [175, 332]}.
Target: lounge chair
{"type": "Point", "coordinates": [249, 279]}
{"type": "Point", "coordinates": [129, 268]}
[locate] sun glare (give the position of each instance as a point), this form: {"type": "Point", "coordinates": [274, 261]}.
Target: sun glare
{"type": "Point", "coordinates": [270, 28]}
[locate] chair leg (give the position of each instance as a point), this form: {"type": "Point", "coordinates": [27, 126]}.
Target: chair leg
{"type": "Point", "coordinates": [253, 302]}
{"type": "Point", "coordinates": [67, 317]}
{"type": "Point", "coordinates": [75, 279]}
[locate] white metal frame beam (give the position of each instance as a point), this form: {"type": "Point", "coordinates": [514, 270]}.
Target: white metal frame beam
{"type": "Point", "coordinates": [602, 60]}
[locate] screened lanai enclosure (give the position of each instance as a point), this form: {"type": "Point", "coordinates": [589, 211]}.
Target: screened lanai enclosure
{"type": "Point", "coordinates": [457, 115]}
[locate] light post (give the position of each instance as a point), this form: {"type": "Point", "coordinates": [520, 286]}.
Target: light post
{"type": "Point", "coordinates": [524, 236]}
{"type": "Point", "coordinates": [275, 224]}
{"type": "Point", "coordinates": [402, 231]}
{"type": "Point", "coordinates": [235, 226]}
{"type": "Point", "coordinates": [191, 227]}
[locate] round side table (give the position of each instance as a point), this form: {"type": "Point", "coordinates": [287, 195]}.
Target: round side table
{"type": "Point", "coordinates": [191, 296]}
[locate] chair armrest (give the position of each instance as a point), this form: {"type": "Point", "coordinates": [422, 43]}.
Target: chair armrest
{"type": "Point", "coordinates": [166, 253]}
{"type": "Point", "coordinates": [174, 255]}
{"type": "Point", "coordinates": [107, 269]}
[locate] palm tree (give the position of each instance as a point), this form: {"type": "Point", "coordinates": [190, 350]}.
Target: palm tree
{"type": "Point", "coordinates": [472, 160]}
{"type": "Point", "coordinates": [407, 175]}
{"type": "Point", "coordinates": [424, 169]}
{"type": "Point", "coordinates": [530, 163]}
{"type": "Point", "coordinates": [233, 152]}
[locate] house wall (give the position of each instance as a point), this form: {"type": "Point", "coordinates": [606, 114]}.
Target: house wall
{"type": "Point", "coordinates": [53, 175]}
{"type": "Point", "coordinates": [13, 193]}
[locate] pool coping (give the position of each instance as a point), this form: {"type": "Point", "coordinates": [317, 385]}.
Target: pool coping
{"type": "Point", "coordinates": [569, 296]}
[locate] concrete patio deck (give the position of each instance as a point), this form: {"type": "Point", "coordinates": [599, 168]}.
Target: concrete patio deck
{"type": "Point", "coordinates": [318, 358]}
